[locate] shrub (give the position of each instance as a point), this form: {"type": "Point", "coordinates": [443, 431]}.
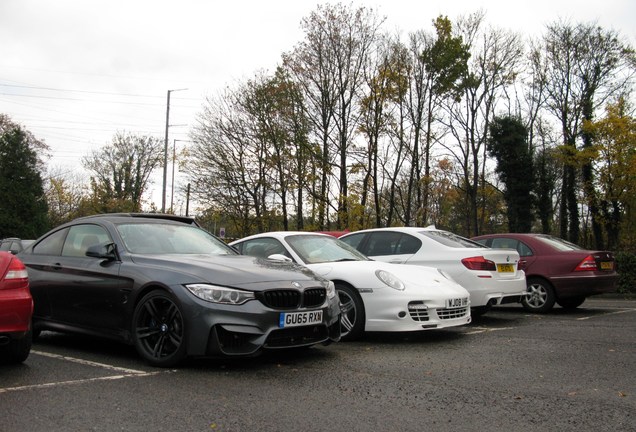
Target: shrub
{"type": "Point", "coordinates": [626, 265]}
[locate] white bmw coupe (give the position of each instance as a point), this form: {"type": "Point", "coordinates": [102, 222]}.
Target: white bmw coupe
{"type": "Point", "coordinates": [374, 296]}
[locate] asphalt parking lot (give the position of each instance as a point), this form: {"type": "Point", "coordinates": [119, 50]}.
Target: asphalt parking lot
{"type": "Point", "coordinates": [508, 371]}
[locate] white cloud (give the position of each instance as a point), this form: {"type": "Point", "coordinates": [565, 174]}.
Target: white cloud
{"type": "Point", "coordinates": [121, 56]}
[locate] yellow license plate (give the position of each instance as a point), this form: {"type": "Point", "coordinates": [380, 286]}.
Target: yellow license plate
{"type": "Point", "coordinates": [505, 268]}
{"type": "Point", "coordinates": [607, 265]}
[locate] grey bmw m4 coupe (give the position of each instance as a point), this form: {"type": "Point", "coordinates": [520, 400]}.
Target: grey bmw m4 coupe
{"type": "Point", "coordinates": [171, 289]}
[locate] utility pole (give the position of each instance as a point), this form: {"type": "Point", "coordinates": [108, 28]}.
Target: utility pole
{"type": "Point", "coordinates": [165, 153]}
{"type": "Point", "coordinates": [174, 160]}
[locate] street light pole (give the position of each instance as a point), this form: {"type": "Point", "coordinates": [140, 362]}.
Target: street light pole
{"type": "Point", "coordinates": [165, 153]}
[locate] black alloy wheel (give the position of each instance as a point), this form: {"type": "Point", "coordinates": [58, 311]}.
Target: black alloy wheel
{"type": "Point", "coordinates": [158, 329]}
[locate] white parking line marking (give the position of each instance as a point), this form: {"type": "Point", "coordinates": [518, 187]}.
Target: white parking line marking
{"type": "Point", "coordinates": [127, 373]}
{"type": "Point", "coordinates": [89, 363]}
{"type": "Point", "coordinates": [82, 381]}
{"type": "Point", "coordinates": [479, 330]}
{"type": "Point", "coordinates": [605, 314]}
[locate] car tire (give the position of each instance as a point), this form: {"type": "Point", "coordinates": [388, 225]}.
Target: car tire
{"type": "Point", "coordinates": [571, 302]}
{"type": "Point", "coordinates": [159, 330]}
{"type": "Point", "coordinates": [541, 298]}
{"type": "Point", "coordinates": [479, 311]}
{"type": "Point", "coordinates": [352, 315]}
{"type": "Point", "coordinates": [17, 351]}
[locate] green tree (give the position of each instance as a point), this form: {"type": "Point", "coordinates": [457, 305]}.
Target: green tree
{"type": "Point", "coordinates": [23, 206]}
{"type": "Point", "coordinates": [507, 143]}
{"type": "Point", "coordinates": [580, 67]}
{"type": "Point", "coordinates": [67, 196]}
{"type": "Point", "coordinates": [446, 64]}
{"type": "Point", "coordinates": [613, 156]}
{"type": "Point", "coordinates": [121, 172]}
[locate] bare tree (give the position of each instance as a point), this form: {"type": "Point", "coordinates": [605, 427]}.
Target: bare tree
{"type": "Point", "coordinates": [227, 163]}
{"type": "Point", "coordinates": [495, 61]}
{"type": "Point", "coordinates": [121, 171]}
{"type": "Point", "coordinates": [329, 65]}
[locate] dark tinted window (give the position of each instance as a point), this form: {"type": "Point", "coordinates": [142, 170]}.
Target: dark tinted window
{"type": "Point", "coordinates": [382, 243]}
{"type": "Point", "coordinates": [353, 240]}
{"type": "Point", "coordinates": [408, 244]}
{"type": "Point", "coordinates": [81, 237]}
{"type": "Point", "coordinates": [51, 245]}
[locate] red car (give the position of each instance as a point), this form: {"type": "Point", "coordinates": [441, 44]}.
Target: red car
{"type": "Point", "coordinates": [557, 270]}
{"type": "Point", "coordinates": [16, 308]}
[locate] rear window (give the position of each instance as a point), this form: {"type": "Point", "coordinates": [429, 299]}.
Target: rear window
{"type": "Point", "coordinates": [559, 244]}
{"type": "Point", "coordinates": [451, 240]}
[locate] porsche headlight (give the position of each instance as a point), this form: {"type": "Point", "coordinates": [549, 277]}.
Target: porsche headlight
{"type": "Point", "coordinates": [222, 295]}
{"type": "Point", "coordinates": [390, 279]}
{"type": "Point", "coordinates": [331, 290]}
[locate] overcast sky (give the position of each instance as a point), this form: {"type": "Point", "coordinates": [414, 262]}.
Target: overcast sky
{"type": "Point", "coordinates": [74, 72]}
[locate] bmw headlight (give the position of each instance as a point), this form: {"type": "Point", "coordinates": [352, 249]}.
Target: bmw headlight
{"type": "Point", "coordinates": [390, 279]}
{"type": "Point", "coordinates": [331, 290]}
{"type": "Point", "coordinates": [217, 294]}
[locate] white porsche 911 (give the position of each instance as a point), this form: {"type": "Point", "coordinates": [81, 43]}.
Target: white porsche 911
{"type": "Point", "coordinates": [374, 296]}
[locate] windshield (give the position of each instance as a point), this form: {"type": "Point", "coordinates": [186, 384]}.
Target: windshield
{"type": "Point", "coordinates": [314, 249]}
{"type": "Point", "coordinates": [159, 239]}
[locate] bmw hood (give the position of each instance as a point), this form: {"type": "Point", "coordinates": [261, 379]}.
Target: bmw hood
{"type": "Point", "coordinates": [231, 270]}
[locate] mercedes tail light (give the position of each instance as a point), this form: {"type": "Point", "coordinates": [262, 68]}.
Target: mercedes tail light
{"type": "Point", "coordinates": [588, 264]}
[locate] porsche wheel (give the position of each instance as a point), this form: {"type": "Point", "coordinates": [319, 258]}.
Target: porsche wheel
{"type": "Point", "coordinates": [352, 318]}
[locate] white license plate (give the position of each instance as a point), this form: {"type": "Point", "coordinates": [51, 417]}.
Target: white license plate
{"type": "Point", "coordinates": [295, 319]}
{"type": "Point", "coordinates": [457, 302]}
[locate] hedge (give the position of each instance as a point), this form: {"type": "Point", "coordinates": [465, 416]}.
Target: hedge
{"type": "Point", "coordinates": [626, 266]}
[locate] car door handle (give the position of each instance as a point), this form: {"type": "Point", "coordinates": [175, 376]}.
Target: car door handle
{"type": "Point", "coordinates": [56, 266]}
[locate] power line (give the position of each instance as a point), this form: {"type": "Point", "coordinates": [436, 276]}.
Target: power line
{"type": "Point", "coordinates": [87, 92]}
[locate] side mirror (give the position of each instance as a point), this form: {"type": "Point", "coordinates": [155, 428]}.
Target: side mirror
{"type": "Point", "coordinates": [279, 257]}
{"type": "Point", "coordinates": [107, 251]}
